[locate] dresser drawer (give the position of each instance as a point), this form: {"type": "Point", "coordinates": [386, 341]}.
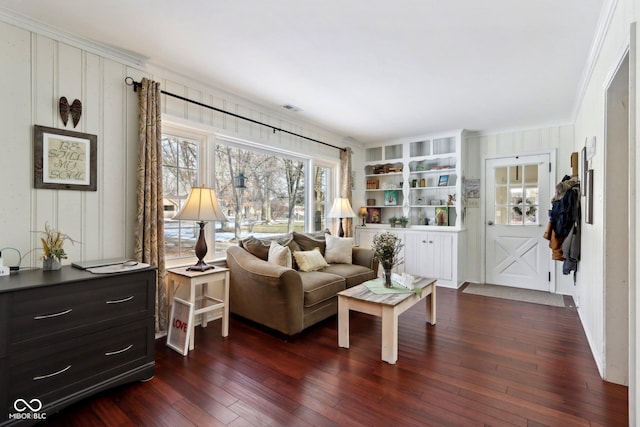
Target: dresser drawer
{"type": "Point", "coordinates": [51, 372]}
{"type": "Point", "coordinates": [41, 312]}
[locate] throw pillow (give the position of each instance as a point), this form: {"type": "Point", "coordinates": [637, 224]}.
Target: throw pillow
{"type": "Point", "coordinates": [308, 243]}
{"type": "Point", "coordinates": [279, 255]}
{"type": "Point", "coordinates": [310, 260]}
{"type": "Point", "coordinates": [256, 247]}
{"type": "Point", "coordinates": [339, 249]}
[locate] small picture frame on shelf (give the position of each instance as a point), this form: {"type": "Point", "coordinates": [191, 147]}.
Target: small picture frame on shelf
{"type": "Point", "coordinates": [442, 216]}
{"type": "Point", "coordinates": [391, 197]}
{"type": "Point", "coordinates": [443, 181]}
{"type": "Point", "coordinates": [374, 215]}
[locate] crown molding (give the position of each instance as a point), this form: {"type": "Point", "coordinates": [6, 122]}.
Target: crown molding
{"type": "Point", "coordinates": [606, 16]}
{"type": "Point", "coordinates": [21, 21]}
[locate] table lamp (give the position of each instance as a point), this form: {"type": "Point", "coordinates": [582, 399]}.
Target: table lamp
{"type": "Point", "coordinates": [341, 209]}
{"type": "Point", "coordinates": [201, 206]}
{"type": "Point", "coordinates": [363, 214]}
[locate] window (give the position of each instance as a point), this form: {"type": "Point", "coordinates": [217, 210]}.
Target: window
{"type": "Point", "coordinates": [273, 200]}
{"type": "Point", "coordinates": [321, 194]}
{"type": "Point", "coordinates": [179, 175]}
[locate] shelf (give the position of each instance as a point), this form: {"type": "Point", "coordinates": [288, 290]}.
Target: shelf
{"type": "Point", "coordinates": [427, 161]}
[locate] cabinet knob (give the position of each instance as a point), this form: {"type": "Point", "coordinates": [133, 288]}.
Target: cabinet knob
{"type": "Point", "coordinates": [424, 241]}
{"type": "Point", "coordinates": [489, 222]}
{"type": "Point", "coordinates": [430, 241]}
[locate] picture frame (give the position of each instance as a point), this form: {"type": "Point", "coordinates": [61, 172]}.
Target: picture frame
{"type": "Point", "coordinates": [374, 215]}
{"type": "Point", "coordinates": [585, 167]}
{"type": "Point", "coordinates": [180, 326]}
{"type": "Point", "coordinates": [588, 215]}
{"type": "Point", "coordinates": [64, 160]}
{"type": "Point", "coordinates": [443, 181]}
{"type": "Point", "coordinates": [442, 216]}
{"type": "Point", "coordinates": [390, 197]}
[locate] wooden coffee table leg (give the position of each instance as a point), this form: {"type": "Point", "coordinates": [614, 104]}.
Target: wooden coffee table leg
{"type": "Point", "coordinates": [431, 305]}
{"type": "Point", "coordinates": [343, 321]}
{"type": "Point", "coordinates": [389, 335]}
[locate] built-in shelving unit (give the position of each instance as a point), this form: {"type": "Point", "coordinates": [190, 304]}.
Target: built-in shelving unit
{"type": "Point", "coordinates": [420, 180]}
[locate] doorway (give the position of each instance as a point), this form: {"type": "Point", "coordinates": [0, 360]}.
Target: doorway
{"type": "Point", "coordinates": [616, 233]}
{"type": "Point", "coordinates": [518, 194]}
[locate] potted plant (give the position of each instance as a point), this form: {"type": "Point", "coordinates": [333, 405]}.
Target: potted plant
{"type": "Point", "coordinates": [53, 247]}
{"type": "Point", "coordinates": [403, 220]}
{"type": "Point", "coordinates": [392, 221]}
{"type": "Point", "coordinates": [386, 249]}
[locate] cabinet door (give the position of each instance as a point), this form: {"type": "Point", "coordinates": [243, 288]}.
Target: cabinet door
{"type": "Point", "coordinates": [419, 255]}
{"type": "Point", "coordinates": [442, 254]}
{"type": "Point", "coordinates": [430, 255]}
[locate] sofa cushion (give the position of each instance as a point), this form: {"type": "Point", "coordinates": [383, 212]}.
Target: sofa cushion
{"type": "Point", "coordinates": [319, 286]}
{"type": "Point", "coordinates": [354, 274]}
{"type": "Point", "coordinates": [308, 243]}
{"type": "Point", "coordinates": [260, 247]}
{"type": "Point", "coordinates": [255, 247]}
{"type": "Point", "coordinates": [310, 260]}
{"type": "Point", "coordinates": [338, 249]}
{"type": "Point", "coordinates": [279, 255]}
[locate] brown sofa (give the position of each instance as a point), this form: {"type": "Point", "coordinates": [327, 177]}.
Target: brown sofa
{"type": "Point", "coordinates": [285, 299]}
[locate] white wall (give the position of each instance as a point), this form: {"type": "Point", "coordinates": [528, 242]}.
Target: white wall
{"type": "Point", "coordinates": [37, 70]}
{"type": "Point", "coordinates": [558, 139]}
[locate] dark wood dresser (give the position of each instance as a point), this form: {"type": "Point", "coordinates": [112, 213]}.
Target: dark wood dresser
{"type": "Point", "coordinates": [67, 334]}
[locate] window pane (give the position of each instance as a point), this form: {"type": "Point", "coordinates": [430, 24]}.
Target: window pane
{"type": "Point", "coordinates": [272, 201]}
{"type": "Point", "coordinates": [179, 175]}
{"type": "Point", "coordinates": [321, 190]}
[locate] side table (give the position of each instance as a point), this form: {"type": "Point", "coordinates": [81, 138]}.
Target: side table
{"type": "Point", "coordinates": [193, 279]}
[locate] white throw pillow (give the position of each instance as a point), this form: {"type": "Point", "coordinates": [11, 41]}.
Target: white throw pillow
{"type": "Point", "coordinates": [339, 249]}
{"type": "Point", "coordinates": [280, 255]}
{"type": "Point", "coordinates": [310, 260]}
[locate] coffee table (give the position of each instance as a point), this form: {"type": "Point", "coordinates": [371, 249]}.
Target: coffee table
{"type": "Point", "coordinates": [388, 307]}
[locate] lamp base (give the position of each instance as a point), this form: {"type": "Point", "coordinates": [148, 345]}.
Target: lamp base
{"type": "Point", "coordinates": [340, 229]}
{"type": "Point", "coordinates": [201, 251]}
{"type": "Point", "coordinates": [200, 266]}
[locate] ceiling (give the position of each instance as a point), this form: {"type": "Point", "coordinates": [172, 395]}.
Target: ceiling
{"type": "Point", "coordinates": [370, 70]}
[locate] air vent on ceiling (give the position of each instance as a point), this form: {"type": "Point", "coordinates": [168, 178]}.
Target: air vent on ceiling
{"type": "Point", "coordinates": [291, 108]}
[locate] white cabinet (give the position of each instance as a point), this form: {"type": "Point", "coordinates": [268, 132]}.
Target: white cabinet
{"type": "Point", "coordinates": [435, 254]}
{"type": "Point", "coordinates": [431, 254]}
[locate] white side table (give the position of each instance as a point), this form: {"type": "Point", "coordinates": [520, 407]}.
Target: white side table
{"type": "Point", "coordinates": [218, 276]}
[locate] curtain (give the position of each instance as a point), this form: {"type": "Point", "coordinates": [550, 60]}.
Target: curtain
{"type": "Point", "coordinates": [149, 239]}
{"type": "Point", "coordinates": [346, 183]}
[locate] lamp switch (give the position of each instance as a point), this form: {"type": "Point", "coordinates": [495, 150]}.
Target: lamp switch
{"type": "Point", "coordinates": [4, 271]}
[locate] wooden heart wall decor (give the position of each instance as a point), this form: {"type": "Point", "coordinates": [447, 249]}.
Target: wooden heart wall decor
{"type": "Point", "coordinates": [75, 110]}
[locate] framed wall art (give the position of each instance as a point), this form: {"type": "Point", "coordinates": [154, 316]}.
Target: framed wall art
{"type": "Point", "coordinates": [180, 326]}
{"type": "Point", "coordinates": [63, 159]}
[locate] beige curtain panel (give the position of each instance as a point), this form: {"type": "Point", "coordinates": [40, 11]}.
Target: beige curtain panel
{"type": "Point", "coordinates": [346, 183]}
{"type": "Point", "coordinates": [149, 239]}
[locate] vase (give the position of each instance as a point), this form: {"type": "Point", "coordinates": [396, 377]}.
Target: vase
{"type": "Point", "coordinates": [51, 263]}
{"type": "Point", "coordinates": [387, 278]}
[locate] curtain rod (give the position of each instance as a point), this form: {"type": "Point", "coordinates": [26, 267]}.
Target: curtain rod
{"type": "Point", "coordinates": [130, 82]}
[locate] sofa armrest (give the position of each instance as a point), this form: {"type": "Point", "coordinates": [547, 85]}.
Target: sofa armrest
{"type": "Point", "coordinates": [365, 258]}
{"type": "Point", "coordinates": [265, 293]}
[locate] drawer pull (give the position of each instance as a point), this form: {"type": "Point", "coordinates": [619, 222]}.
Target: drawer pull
{"type": "Point", "coordinates": [48, 316]}
{"type": "Point", "coordinates": [118, 301]}
{"type": "Point", "coordinates": [42, 377]}
{"type": "Point", "coordinates": [112, 353]}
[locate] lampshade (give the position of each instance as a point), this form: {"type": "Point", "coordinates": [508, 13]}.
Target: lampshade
{"type": "Point", "coordinates": [363, 212]}
{"type": "Point", "coordinates": [202, 205]}
{"type": "Point", "coordinates": [341, 209]}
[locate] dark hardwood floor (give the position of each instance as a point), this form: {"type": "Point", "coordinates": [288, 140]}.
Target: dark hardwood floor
{"type": "Point", "coordinates": [487, 362]}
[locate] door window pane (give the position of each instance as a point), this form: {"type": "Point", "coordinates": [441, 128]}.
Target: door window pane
{"type": "Point", "coordinates": [516, 195]}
